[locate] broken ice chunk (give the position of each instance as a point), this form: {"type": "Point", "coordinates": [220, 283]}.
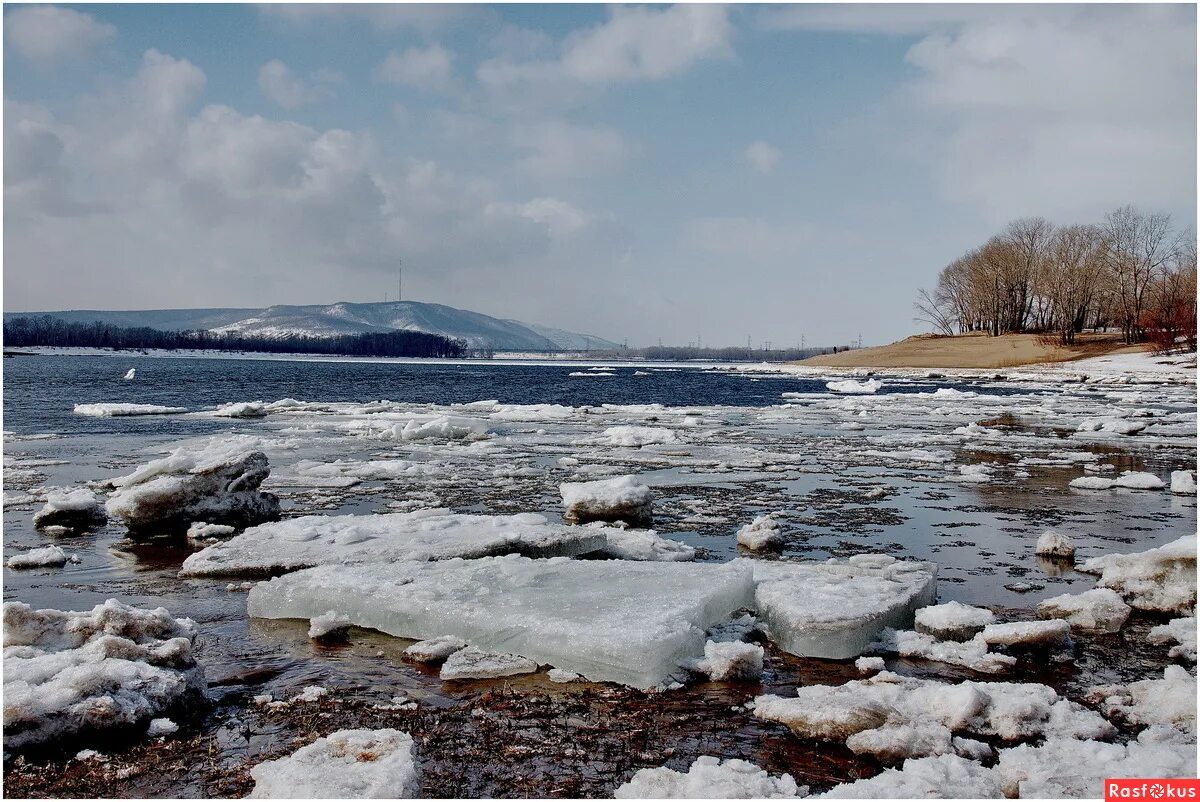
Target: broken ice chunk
{"type": "Point", "coordinates": [1183, 483]}
{"type": "Point", "coordinates": [472, 663]}
{"type": "Point", "coordinates": [348, 764]}
{"type": "Point", "coordinates": [1181, 631]}
{"type": "Point", "coordinates": [391, 537]}
{"type": "Point", "coordinates": [952, 620]}
{"type": "Point", "coordinates": [943, 776]}
{"type": "Point", "coordinates": [628, 622]}
{"type": "Point", "coordinates": [1053, 633]}
{"type": "Point", "coordinates": [1160, 580]}
{"type": "Point", "coordinates": [434, 650]}
{"type": "Point", "coordinates": [47, 557]}
{"type": "Point", "coordinates": [73, 509]}
{"type": "Point", "coordinates": [623, 498]}
{"type": "Point", "coordinates": [1099, 610]}
{"type": "Point", "coordinates": [1053, 544]}
{"type": "Point", "coordinates": [218, 483]}
{"type": "Point", "coordinates": [730, 661]}
{"type": "Point", "coordinates": [763, 532]}
{"type": "Point", "coordinates": [837, 608]}
{"type": "Point", "coordinates": [330, 624]}
{"type": "Point", "coordinates": [644, 544]}
{"type": "Point", "coordinates": [710, 778]}
{"type": "Point", "coordinates": [75, 672]}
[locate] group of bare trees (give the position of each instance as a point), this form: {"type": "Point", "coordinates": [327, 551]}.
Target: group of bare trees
{"type": "Point", "coordinates": [1132, 272]}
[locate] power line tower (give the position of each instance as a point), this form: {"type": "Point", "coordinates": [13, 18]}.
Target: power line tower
{"type": "Point", "coordinates": [399, 279]}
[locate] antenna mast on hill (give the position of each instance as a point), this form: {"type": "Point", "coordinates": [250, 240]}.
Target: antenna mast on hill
{"type": "Point", "coordinates": [399, 280]}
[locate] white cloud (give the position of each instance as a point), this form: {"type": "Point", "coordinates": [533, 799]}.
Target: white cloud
{"type": "Point", "coordinates": [762, 156]}
{"type": "Point", "coordinates": [560, 149]}
{"type": "Point", "coordinates": [288, 90]}
{"type": "Point", "coordinates": [635, 44]}
{"type": "Point", "coordinates": [561, 219]}
{"type": "Point", "coordinates": [429, 69]}
{"type": "Point", "coordinates": [1065, 114]}
{"type": "Point", "coordinates": [49, 34]}
{"type": "Point", "coordinates": [387, 17]}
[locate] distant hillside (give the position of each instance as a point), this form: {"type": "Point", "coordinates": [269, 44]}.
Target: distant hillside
{"type": "Point", "coordinates": [478, 330]}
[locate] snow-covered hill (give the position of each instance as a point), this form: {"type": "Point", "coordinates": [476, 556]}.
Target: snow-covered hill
{"type": "Point", "coordinates": [478, 330]}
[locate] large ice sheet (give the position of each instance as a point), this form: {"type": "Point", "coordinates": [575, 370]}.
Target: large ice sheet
{"type": "Point", "coordinates": [314, 540]}
{"type": "Point", "coordinates": [617, 621]}
{"type": "Point", "coordinates": [1161, 579]}
{"type": "Point", "coordinates": [836, 609]}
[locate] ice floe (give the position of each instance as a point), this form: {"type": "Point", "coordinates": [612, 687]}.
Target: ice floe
{"type": "Point", "coordinates": [436, 534]}
{"type": "Point", "coordinates": [633, 623]}
{"type": "Point", "coordinates": [952, 620]}
{"type": "Point", "coordinates": [73, 509]}
{"type": "Point", "coordinates": [710, 778]}
{"type": "Point", "coordinates": [45, 557]}
{"type": "Point", "coordinates": [1097, 610]}
{"type": "Point", "coordinates": [852, 387]}
{"type": "Point", "coordinates": [72, 673]}
{"type": "Point", "coordinates": [1179, 631]}
{"type": "Point", "coordinates": [939, 777]}
{"type": "Point", "coordinates": [1161, 579]}
{"type": "Point", "coordinates": [622, 498]}
{"type": "Point", "coordinates": [1130, 480]}
{"type": "Point", "coordinates": [217, 483]}
{"type": "Point", "coordinates": [472, 663]}
{"type": "Point", "coordinates": [122, 410]}
{"type": "Point", "coordinates": [347, 764]}
{"type": "Point", "coordinates": [1044, 634]}
{"type": "Point", "coordinates": [1183, 483]}
{"type": "Point", "coordinates": [835, 609]}
{"type": "Point", "coordinates": [764, 532]}
{"type": "Point", "coordinates": [1054, 544]}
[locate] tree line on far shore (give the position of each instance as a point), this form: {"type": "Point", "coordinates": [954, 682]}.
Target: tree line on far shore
{"type": "Point", "coordinates": [46, 330]}
{"type": "Point", "coordinates": [1132, 271]}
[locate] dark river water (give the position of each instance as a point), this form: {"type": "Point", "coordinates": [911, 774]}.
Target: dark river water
{"type": "Point", "coordinates": [980, 535]}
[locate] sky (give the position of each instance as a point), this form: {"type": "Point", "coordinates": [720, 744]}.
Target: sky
{"type": "Point", "coordinates": [687, 173]}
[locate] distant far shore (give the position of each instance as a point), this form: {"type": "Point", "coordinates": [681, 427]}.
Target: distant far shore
{"type": "Point", "coordinates": [975, 350]}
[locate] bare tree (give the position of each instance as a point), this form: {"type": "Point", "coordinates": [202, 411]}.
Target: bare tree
{"type": "Point", "coordinates": [1137, 247]}
{"type": "Point", "coordinates": [1071, 276]}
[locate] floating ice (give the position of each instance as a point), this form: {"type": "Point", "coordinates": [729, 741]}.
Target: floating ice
{"type": "Point", "coordinates": [560, 676]}
{"type": "Point", "coordinates": [130, 374]}
{"type": "Point", "coordinates": [242, 409]}
{"type": "Point", "coordinates": [623, 498]}
{"type": "Point", "coordinates": [644, 544]}
{"type": "Point", "coordinates": [1131, 480]}
{"type": "Point", "coordinates": [443, 427]}
{"type": "Point", "coordinates": [952, 620]}
{"type": "Point", "coordinates": [161, 727]}
{"type": "Point", "coordinates": [122, 410]}
{"type": "Point", "coordinates": [1180, 631]}
{"type": "Point", "coordinates": [1112, 425]}
{"type": "Point", "coordinates": [939, 777]}
{"type": "Point", "coordinates": [763, 532]}
{"type": "Point", "coordinates": [329, 624]}
{"type": "Point", "coordinates": [972, 654]}
{"type": "Point", "coordinates": [1162, 579]}
{"type": "Point", "coordinates": [852, 387]}
{"type": "Point", "coordinates": [216, 483]}
{"type": "Point", "coordinates": [312, 540]}
{"type": "Point", "coordinates": [1053, 544]}
{"type": "Point", "coordinates": [837, 608]}
{"type": "Point", "coordinates": [710, 778]}
{"type": "Point", "coordinates": [67, 673]}
{"type": "Point", "coordinates": [434, 650]}
{"type": "Point", "coordinates": [200, 530]}
{"type": "Point", "coordinates": [1052, 633]}
{"type": "Point", "coordinates": [472, 663]}
{"type": "Point", "coordinates": [1169, 701]}
{"type": "Point", "coordinates": [73, 509]}
{"type": "Point", "coordinates": [1098, 610]}
{"type": "Point", "coordinates": [869, 665]}
{"type": "Point", "coordinates": [48, 556]}
{"type": "Point", "coordinates": [1066, 768]}
{"type": "Point", "coordinates": [638, 436]}
{"type": "Point", "coordinates": [348, 764]}
{"type": "Point", "coordinates": [910, 710]}
{"type": "Point", "coordinates": [1183, 483]}
{"type": "Point", "coordinates": [729, 661]}
{"type": "Point", "coordinates": [628, 622]}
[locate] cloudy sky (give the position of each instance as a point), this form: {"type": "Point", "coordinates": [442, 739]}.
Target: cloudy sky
{"type": "Point", "coordinates": [645, 173]}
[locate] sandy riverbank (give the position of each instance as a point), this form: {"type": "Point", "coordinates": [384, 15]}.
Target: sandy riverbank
{"type": "Point", "coordinates": [972, 351]}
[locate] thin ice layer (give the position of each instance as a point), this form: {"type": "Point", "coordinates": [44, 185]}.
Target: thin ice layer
{"type": "Point", "coordinates": [423, 535]}
{"type": "Point", "coordinates": [626, 622]}
{"type": "Point", "coordinates": [836, 609]}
